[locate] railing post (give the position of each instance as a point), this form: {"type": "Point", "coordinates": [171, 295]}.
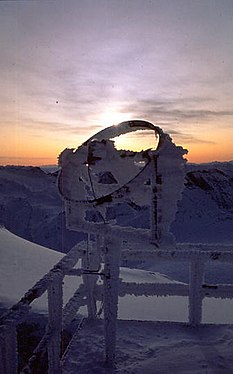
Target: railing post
{"type": "Point", "coordinates": [91, 263]}
{"type": "Point", "coordinates": [55, 303]}
{"type": "Point", "coordinates": [195, 291]}
{"type": "Point", "coordinates": [8, 350]}
{"type": "Point", "coordinates": [155, 196]}
{"type": "Point", "coordinates": [111, 285]}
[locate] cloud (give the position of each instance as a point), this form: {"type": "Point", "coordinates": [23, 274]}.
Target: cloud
{"type": "Point", "coordinates": [190, 139]}
{"type": "Point", "coordinates": [60, 127]}
{"type": "Point", "coordinates": [170, 111]}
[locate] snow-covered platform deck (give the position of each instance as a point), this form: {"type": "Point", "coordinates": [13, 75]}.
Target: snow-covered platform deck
{"type": "Point", "coordinates": [152, 347]}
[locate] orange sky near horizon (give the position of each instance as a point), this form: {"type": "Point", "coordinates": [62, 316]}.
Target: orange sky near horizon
{"type": "Point", "coordinates": [28, 150]}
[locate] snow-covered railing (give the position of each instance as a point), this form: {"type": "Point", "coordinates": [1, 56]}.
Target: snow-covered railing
{"type": "Point", "coordinates": [52, 283]}
{"type": "Point", "coordinates": [89, 292]}
{"type": "Point", "coordinates": [197, 255]}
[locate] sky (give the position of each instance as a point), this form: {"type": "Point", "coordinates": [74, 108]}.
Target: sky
{"type": "Point", "coordinates": [70, 68]}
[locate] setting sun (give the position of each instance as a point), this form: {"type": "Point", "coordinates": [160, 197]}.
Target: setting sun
{"type": "Point", "coordinates": [113, 116]}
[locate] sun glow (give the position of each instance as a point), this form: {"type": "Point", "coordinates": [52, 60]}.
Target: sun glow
{"type": "Point", "coordinates": [113, 116]}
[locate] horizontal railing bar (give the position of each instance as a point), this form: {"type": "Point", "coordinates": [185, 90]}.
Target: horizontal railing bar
{"type": "Point", "coordinates": [74, 272]}
{"type": "Point", "coordinates": [176, 289]}
{"type": "Point", "coordinates": [153, 289]}
{"type": "Point", "coordinates": [149, 246]}
{"type": "Point", "coordinates": [177, 255]}
{"type": "Point", "coordinates": [112, 230]}
{"type": "Point", "coordinates": [80, 272]}
{"type": "Point", "coordinates": [205, 247]}
{"type": "Point", "coordinates": [220, 291]}
{"type": "Point", "coordinates": [168, 289]}
{"type": "Point", "coordinates": [147, 289]}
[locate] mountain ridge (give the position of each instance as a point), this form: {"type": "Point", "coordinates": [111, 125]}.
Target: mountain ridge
{"type": "Point", "coordinates": [30, 206]}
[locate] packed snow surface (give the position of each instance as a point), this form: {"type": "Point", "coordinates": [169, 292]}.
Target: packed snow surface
{"type": "Point", "coordinates": [153, 348]}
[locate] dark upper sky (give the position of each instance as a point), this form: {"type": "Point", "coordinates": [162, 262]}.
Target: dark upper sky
{"type": "Point", "coordinates": [70, 67]}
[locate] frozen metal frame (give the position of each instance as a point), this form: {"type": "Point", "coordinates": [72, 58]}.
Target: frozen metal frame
{"type": "Point", "coordinates": [165, 169]}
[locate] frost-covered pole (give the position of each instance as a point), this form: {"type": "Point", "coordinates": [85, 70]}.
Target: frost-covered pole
{"type": "Point", "coordinates": [91, 263]}
{"type": "Point", "coordinates": [8, 350]}
{"type": "Point", "coordinates": [195, 291]}
{"type": "Point", "coordinates": [111, 285]}
{"type": "Point", "coordinates": [155, 186]}
{"type": "Point", "coordinates": [55, 304]}
{"type": "Point", "coordinates": [170, 174]}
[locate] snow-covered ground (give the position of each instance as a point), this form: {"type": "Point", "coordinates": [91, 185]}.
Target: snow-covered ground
{"type": "Point", "coordinates": [154, 348]}
{"type": "Point", "coordinates": [143, 347]}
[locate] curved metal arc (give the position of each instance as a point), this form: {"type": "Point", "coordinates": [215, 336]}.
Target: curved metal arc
{"type": "Point", "coordinates": [124, 128]}
{"type": "Point", "coordinates": [109, 133]}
